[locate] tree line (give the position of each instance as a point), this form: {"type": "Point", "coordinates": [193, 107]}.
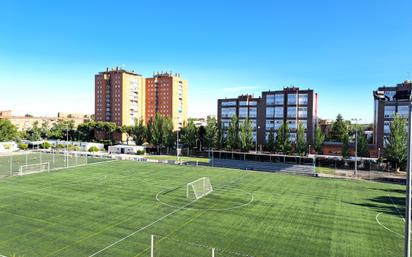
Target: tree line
{"type": "Point", "coordinates": [159, 133]}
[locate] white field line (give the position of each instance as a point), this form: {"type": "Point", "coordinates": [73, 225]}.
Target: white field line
{"type": "Point", "coordinates": [154, 222]}
{"type": "Point", "coordinates": [39, 189]}
{"type": "Point", "coordinates": [397, 210]}
{"type": "Point", "coordinates": [142, 228]}
{"type": "Point", "coordinates": [390, 230]}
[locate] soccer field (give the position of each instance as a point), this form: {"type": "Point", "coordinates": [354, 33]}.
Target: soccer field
{"type": "Point", "coordinates": [113, 208]}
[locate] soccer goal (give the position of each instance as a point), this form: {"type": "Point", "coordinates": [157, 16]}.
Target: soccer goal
{"type": "Point", "coordinates": [34, 168]}
{"type": "Point", "coordinates": [199, 188]}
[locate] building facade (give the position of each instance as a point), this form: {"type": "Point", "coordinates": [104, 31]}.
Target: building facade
{"type": "Point", "coordinates": [27, 122]}
{"type": "Point", "coordinates": [119, 97]}
{"type": "Point", "coordinates": [292, 106]}
{"type": "Point", "coordinates": [396, 102]}
{"type": "Point", "coordinates": [167, 94]}
{"type": "Point", "coordinates": [268, 112]}
{"type": "Point", "coordinates": [244, 106]}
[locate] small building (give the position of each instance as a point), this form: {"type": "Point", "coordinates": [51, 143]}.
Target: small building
{"type": "Point", "coordinates": [125, 149]}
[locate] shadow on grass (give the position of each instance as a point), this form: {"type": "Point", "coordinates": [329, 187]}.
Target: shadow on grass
{"type": "Point", "coordinates": [399, 181]}
{"type": "Point", "coordinates": [384, 204]}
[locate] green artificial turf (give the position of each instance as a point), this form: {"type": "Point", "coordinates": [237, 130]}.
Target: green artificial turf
{"type": "Point", "coordinates": [80, 211]}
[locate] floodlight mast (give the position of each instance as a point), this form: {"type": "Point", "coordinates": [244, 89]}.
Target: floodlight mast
{"type": "Point", "coordinates": [380, 96]}
{"type": "Point", "coordinates": [356, 147]}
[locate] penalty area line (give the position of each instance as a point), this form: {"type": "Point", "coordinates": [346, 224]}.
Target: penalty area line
{"type": "Point", "coordinates": [141, 229]}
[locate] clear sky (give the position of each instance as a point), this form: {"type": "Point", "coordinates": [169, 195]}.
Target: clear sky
{"type": "Point", "coordinates": [344, 49]}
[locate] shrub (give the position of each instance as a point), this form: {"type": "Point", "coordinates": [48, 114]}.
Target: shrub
{"type": "Point", "coordinates": [60, 146]}
{"type": "Point", "coordinates": [23, 146]}
{"type": "Point", "coordinates": [7, 146]}
{"type": "Point", "coordinates": [45, 145]}
{"type": "Point", "coordinates": [140, 152]}
{"type": "Point", "coordinates": [93, 149]}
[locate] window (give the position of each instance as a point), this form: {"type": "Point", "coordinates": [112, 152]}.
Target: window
{"type": "Point", "coordinates": [270, 124]}
{"type": "Point", "coordinates": [278, 112]}
{"type": "Point", "coordinates": [243, 112]}
{"type": "Point", "coordinates": [270, 111]}
{"type": "Point", "coordinates": [270, 99]}
{"type": "Point", "coordinates": [225, 124]}
{"type": "Point", "coordinates": [291, 112]}
{"type": "Point", "coordinates": [389, 111]}
{"type": "Point", "coordinates": [229, 103]}
{"type": "Point", "coordinates": [387, 127]}
{"type": "Point", "coordinates": [292, 124]}
{"type": "Point", "coordinates": [303, 112]}
{"type": "Point", "coordinates": [252, 112]}
{"type": "Point", "coordinates": [303, 99]}
{"type": "Point", "coordinates": [228, 112]}
{"type": "Point", "coordinates": [403, 111]}
{"type": "Point", "coordinates": [279, 99]}
{"type": "Point", "coordinates": [292, 99]}
{"type": "Point", "coordinates": [292, 137]}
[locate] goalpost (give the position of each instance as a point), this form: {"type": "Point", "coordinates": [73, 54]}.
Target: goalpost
{"type": "Point", "coordinates": [34, 168]}
{"type": "Point", "coordinates": [200, 188]}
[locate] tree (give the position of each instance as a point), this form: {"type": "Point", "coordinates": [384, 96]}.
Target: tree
{"type": "Point", "coordinates": [86, 131]}
{"type": "Point", "coordinates": [245, 134]}
{"type": "Point", "coordinates": [201, 135]}
{"type": "Point", "coordinates": [300, 140]}
{"type": "Point", "coordinates": [396, 145]}
{"type": "Point", "coordinates": [283, 143]}
{"type": "Point", "coordinates": [8, 131]}
{"type": "Point", "coordinates": [33, 134]}
{"type": "Point", "coordinates": [363, 149]}
{"type": "Point", "coordinates": [219, 140]}
{"type": "Point", "coordinates": [157, 132]}
{"type": "Point", "coordinates": [233, 133]}
{"type": "Point", "coordinates": [138, 133]}
{"type": "Point", "coordinates": [270, 143]}
{"type": "Point", "coordinates": [189, 135]}
{"type": "Point", "coordinates": [128, 130]}
{"type": "Point", "coordinates": [211, 131]}
{"type": "Point", "coordinates": [319, 139]}
{"type": "Point", "coordinates": [339, 129]}
{"type": "Point", "coordinates": [345, 146]}
{"type": "Point", "coordinates": [169, 137]}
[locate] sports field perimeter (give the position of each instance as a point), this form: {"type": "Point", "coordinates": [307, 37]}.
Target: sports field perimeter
{"type": "Point", "coordinates": [112, 209]}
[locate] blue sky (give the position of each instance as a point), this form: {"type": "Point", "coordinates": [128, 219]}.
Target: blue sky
{"type": "Point", "coordinates": [50, 50]}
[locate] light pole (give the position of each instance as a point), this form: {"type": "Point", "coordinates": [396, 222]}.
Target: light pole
{"type": "Point", "coordinates": [356, 146]}
{"type": "Point", "coordinates": [380, 96]}
{"type": "Point", "coordinates": [256, 139]}
{"type": "Point", "coordinates": [67, 145]}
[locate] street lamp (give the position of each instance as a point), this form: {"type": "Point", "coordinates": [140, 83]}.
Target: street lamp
{"type": "Point", "coordinates": [356, 146]}
{"type": "Point", "coordinates": [380, 96]}
{"type": "Point", "coordinates": [256, 138]}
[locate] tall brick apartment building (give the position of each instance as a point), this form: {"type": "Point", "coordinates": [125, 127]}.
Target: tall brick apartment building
{"type": "Point", "coordinates": [167, 94]}
{"type": "Point", "coordinates": [119, 97]}
{"type": "Point", "coordinates": [291, 105]}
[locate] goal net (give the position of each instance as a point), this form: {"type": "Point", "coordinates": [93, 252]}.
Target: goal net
{"type": "Point", "coordinates": [34, 168]}
{"type": "Point", "coordinates": [199, 188]}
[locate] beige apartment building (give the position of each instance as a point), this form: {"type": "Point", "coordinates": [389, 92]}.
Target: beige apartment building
{"type": "Point", "coordinates": [119, 97]}
{"type": "Point", "coordinates": [26, 122]}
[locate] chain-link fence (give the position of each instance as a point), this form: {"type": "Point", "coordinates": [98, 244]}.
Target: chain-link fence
{"type": "Point", "coordinates": [10, 164]}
